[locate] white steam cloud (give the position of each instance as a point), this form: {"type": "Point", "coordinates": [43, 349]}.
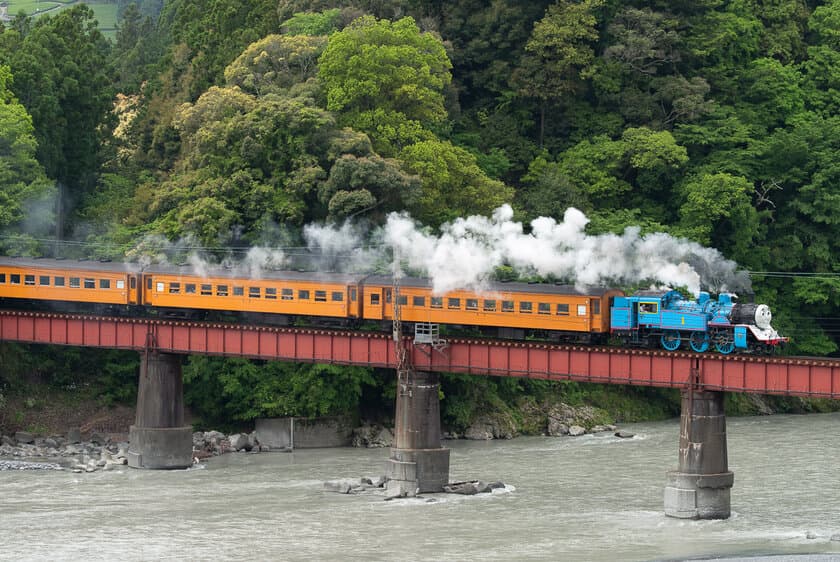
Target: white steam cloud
{"type": "Point", "coordinates": [466, 251]}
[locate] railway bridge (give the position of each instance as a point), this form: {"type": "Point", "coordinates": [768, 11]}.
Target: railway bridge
{"type": "Point", "coordinates": [698, 488]}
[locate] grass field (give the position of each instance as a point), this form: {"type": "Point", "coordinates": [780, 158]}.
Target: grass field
{"type": "Point", "coordinates": [106, 12]}
{"type": "Point", "coordinates": [29, 6]}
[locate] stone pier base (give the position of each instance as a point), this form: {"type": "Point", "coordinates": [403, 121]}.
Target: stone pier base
{"type": "Point", "coordinates": [159, 439]}
{"type": "Point", "coordinates": [698, 496]}
{"type": "Point", "coordinates": [412, 472]}
{"type": "Point", "coordinates": [418, 463]}
{"type": "Point", "coordinates": [699, 488]}
{"type": "Point", "coordinates": [160, 447]}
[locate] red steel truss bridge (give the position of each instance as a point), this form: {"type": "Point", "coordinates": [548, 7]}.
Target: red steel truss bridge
{"type": "Point", "coordinates": [793, 376]}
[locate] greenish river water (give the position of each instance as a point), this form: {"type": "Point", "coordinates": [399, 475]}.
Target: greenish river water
{"type": "Point", "coordinates": [594, 498]}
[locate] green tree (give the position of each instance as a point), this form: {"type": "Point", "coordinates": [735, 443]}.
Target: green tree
{"type": "Point", "coordinates": [212, 33]}
{"type": "Point", "coordinates": [559, 53]}
{"type": "Point", "coordinates": [452, 184]}
{"type": "Point", "coordinates": [362, 184]}
{"type": "Point", "coordinates": [317, 23]}
{"type": "Point", "coordinates": [717, 211]}
{"type": "Point", "coordinates": [387, 80]}
{"type": "Point", "coordinates": [61, 77]}
{"type": "Point", "coordinates": [227, 390]}
{"type": "Point", "coordinates": [275, 63]}
{"type": "Point", "coordinates": [21, 176]}
{"type": "Point", "coordinates": [137, 48]}
{"type": "Point", "coordinates": [244, 161]}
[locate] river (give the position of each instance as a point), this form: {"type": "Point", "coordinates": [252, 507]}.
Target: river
{"type": "Point", "coordinates": [595, 497]}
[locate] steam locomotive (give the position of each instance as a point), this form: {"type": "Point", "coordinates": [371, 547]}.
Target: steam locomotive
{"type": "Point", "coordinates": [508, 310]}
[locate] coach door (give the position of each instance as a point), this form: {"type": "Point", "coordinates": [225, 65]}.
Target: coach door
{"type": "Point", "coordinates": [134, 288]}
{"type": "Point", "coordinates": [353, 301]}
{"type": "Point", "coordinates": [595, 315]}
{"type": "Point", "coordinates": [388, 303]}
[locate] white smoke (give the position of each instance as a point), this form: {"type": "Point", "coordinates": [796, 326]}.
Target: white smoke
{"type": "Point", "coordinates": [467, 251]}
{"type": "Point", "coordinates": [341, 248]}
{"type": "Point", "coordinates": [258, 259]}
{"type": "Point", "coordinates": [187, 251]}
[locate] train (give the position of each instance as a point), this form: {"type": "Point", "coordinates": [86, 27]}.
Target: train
{"type": "Point", "coordinates": [513, 310]}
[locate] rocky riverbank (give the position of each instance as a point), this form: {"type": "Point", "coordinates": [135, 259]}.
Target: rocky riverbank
{"type": "Point", "coordinates": [61, 452]}
{"type": "Point", "coordinates": [556, 420]}
{"type": "Point", "coordinates": [100, 452]}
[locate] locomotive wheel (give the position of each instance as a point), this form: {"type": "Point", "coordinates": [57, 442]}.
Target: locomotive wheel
{"type": "Point", "coordinates": [724, 342]}
{"type": "Point", "coordinates": [670, 340]}
{"type": "Point", "coordinates": [699, 341]}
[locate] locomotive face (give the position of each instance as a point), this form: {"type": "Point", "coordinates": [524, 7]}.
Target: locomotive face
{"type": "Point", "coordinates": [763, 316]}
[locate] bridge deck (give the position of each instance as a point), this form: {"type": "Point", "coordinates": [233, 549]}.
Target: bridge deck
{"type": "Point", "coordinates": [796, 376]}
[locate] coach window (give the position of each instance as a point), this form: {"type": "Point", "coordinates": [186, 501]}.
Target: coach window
{"type": "Point", "coordinates": [562, 309]}
{"type": "Point", "coordinates": [90, 283]}
{"type": "Point", "coordinates": [58, 281]}
{"type": "Point", "coordinates": [44, 280]}
{"type": "Point", "coordinates": [303, 295]}
{"type": "Point", "coordinates": [507, 306]}
{"type": "Point", "coordinates": [543, 308]}
{"type": "Point", "coordinates": [174, 288]}
{"type": "Point", "coordinates": [472, 304]}
{"type": "Point", "coordinates": [437, 302]}
{"type": "Point", "coordinates": [253, 292]}
{"type": "Point", "coordinates": [271, 293]}
{"type": "Point", "coordinates": [238, 291]}
{"type": "Point", "coordinates": [526, 307]}
{"type": "Point", "coordinates": [104, 283]}
{"type": "Point", "coordinates": [581, 310]}
{"type": "Point", "coordinates": [453, 303]}
{"type": "Point", "coordinates": [75, 282]}
{"type": "Point", "coordinates": [374, 298]}
{"type": "Point", "coordinates": [418, 301]}
{"type": "Point", "coordinates": [352, 294]}
{"type": "Point", "coordinates": [189, 288]}
{"type": "Point", "coordinates": [2, 277]}
{"type": "Point", "coordinates": [159, 286]}
{"type": "Point", "coordinates": [14, 279]}
{"type": "Point", "coordinates": [321, 296]}
{"type": "Point", "coordinates": [29, 280]}
{"type": "Point", "coordinates": [148, 283]}
{"type": "Point", "coordinates": [337, 296]}
{"type": "Point", "coordinates": [489, 305]}
{"type": "Point", "coordinates": [596, 306]}
{"type": "Point", "coordinates": [403, 300]}
{"type": "Point", "coordinates": [206, 289]}
{"type": "Point", "coordinates": [221, 290]}
{"type": "Point", "coordinates": [287, 294]}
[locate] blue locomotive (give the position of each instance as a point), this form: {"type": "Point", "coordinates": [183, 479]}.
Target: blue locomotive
{"type": "Point", "coordinates": [667, 317]}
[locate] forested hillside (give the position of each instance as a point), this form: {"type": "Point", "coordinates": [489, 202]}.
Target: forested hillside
{"type": "Point", "coordinates": [232, 124]}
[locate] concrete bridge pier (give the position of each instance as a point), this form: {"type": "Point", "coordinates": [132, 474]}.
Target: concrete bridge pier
{"type": "Point", "coordinates": [699, 488]}
{"type": "Point", "coordinates": [159, 439]}
{"type": "Point", "coordinates": [418, 463]}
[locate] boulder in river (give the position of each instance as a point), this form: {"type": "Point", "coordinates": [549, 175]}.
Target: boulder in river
{"type": "Point", "coordinates": [624, 434]}
{"type": "Point", "coordinates": [339, 486]}
{"type": "Point", "coordinates": [472, 487]}
{"type": "Point", "coordinates": [239, 442]}
{"type": "Point", "coordinates": [576, 430]}
{"type": "Point", "coordinates": [24, 437]}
